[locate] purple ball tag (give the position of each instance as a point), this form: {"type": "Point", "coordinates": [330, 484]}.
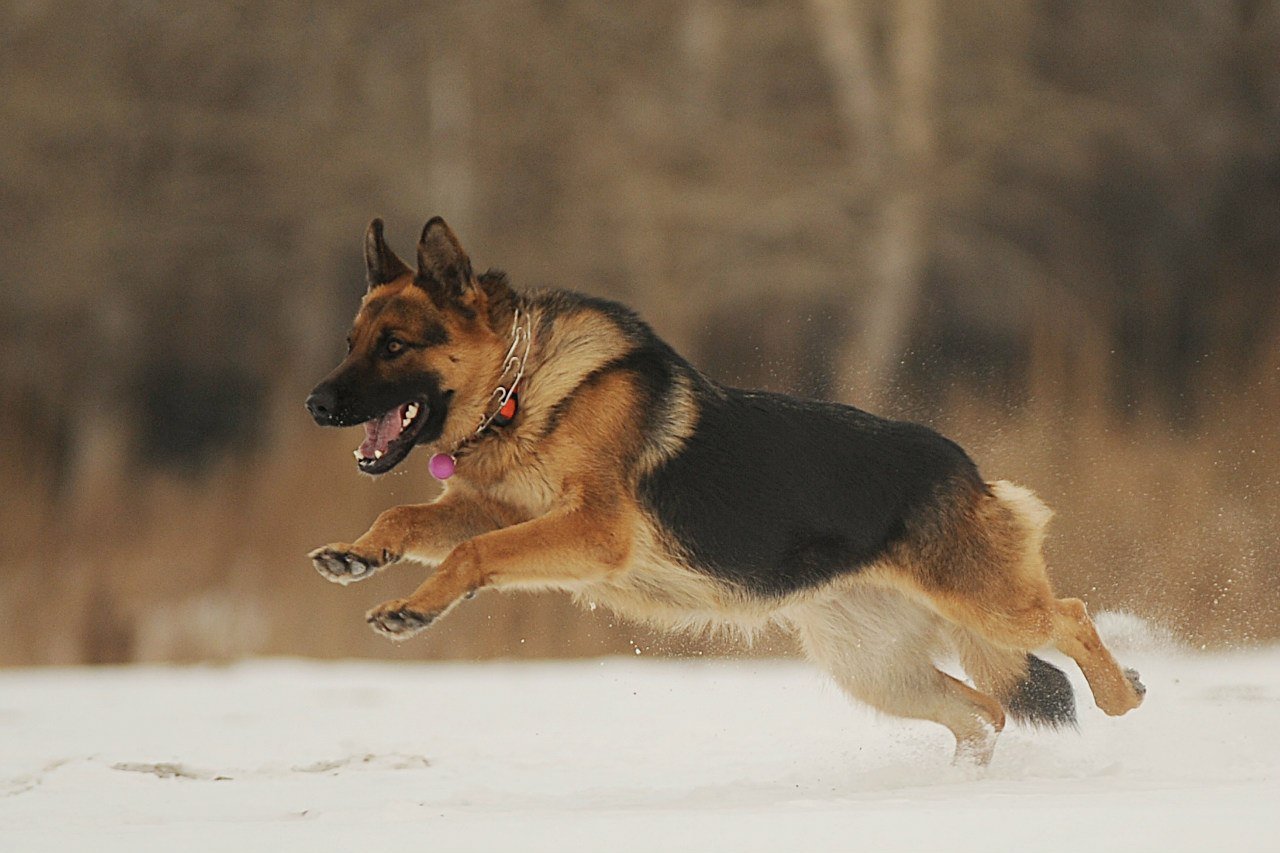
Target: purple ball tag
{"type": "Point", "coordinates": [441, 466]}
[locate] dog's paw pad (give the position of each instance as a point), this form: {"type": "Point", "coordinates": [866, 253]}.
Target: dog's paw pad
{"type": "Point", "coordinates": [1136, 682]}
{"type": "Point", "coordinates": [340, 565]}
{"type": "Point", "coordinates": [398, 621]}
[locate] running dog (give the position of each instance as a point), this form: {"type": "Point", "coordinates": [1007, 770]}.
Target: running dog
{"type": "Point", "coordinates": [578, 451]}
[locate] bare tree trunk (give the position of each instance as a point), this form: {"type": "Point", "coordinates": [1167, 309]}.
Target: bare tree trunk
{"type": "Point", "coordinates": [887, 118]}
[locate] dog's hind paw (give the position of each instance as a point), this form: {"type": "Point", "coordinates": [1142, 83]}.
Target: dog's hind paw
{"type": "Point", "coordinates": [1136, 682]}
{"type": "Point", "coordinates": [341, 564]}
{"type": "Point", "coordinates": [396, 620]}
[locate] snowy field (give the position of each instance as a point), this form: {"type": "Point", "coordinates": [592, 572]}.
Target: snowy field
{"type": "Point", "coordinates": [619, 755]}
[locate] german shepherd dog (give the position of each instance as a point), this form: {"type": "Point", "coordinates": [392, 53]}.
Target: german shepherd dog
{"type": "Point", "coordinates": [579, 452]}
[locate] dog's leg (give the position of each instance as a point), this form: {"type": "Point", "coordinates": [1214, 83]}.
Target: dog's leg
{"type": "Point", "coordinates": [1116, 690]}
{"type": "Point", "coordinates": [986, 572]}
{"type": "Point", "coordinates": [1029, 624]}
{"type": "Point", "coordinates": [1030, 689]}
{"type": "Point", "coordinates": [564, 547]}
{"type": "Point", "coordinates": [422, 532]}
{"type": "Point", "coordinates": [879, 646]}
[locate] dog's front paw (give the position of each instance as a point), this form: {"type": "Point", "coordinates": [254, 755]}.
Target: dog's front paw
{"type": "Point", "coordinates": [346, 564]}
{"type": "Point", "coordinates": [395, 619]}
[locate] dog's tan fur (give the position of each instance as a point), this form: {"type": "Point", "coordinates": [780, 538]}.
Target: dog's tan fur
{"type": "Point", "coordinates": [551, 503]}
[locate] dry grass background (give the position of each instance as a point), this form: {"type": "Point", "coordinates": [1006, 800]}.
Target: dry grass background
{"type": "Point", "coordinates": [1052, 233]}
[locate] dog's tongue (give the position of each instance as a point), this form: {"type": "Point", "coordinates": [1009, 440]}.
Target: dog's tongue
{"type": "Point", "coordinates": [380, 432]}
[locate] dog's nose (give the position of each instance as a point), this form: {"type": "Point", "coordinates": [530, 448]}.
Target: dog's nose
{"type": "Point", "coordinates": [321, 404]}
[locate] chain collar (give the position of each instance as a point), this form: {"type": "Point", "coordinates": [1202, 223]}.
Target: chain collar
{"type": "Point", "coordinates": [442, 465]}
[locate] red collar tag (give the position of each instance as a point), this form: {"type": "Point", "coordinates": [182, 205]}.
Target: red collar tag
{"type": "Point", "coordinates": [507, 413]}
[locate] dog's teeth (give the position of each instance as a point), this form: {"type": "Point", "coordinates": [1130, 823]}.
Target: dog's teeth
{"type": "Point", "coordinates": [411, 412]}
{"type": "Point", "coordinates": [377, 454]}
{"type": "Point", "coordinates": [356, 454]}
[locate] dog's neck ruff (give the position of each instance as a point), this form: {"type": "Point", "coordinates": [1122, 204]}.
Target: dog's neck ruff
{"type": "Point", "coordinates": [442, 465]}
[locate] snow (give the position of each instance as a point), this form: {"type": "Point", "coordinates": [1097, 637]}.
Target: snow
{"type": "Point", "coordinates": [620, 755]}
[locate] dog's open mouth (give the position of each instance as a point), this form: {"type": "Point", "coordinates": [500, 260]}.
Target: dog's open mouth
{"type": "Point", "coordinates": [388, 439]}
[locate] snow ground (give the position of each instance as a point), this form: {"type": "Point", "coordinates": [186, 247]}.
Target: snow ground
{"type": "Point", "coordinates": [619, 755]}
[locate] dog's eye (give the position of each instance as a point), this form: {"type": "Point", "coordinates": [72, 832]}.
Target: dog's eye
{"type": "Point", "coordinates": [393, 346]}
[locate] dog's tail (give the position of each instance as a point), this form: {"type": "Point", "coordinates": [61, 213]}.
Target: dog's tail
{"type": "Point", "coordinates": [1043, 697]}
{"type": "Point", "coordinates": [1031, 690]}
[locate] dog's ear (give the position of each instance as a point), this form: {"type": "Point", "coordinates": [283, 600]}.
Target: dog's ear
{"type": "Point", "coordinates": [444, 270]}
{"type": "Point", "coordinates": [380, 262]}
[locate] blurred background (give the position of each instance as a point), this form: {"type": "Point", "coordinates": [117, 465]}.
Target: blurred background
{"type": "Point", "coordinates": [1050, 230]}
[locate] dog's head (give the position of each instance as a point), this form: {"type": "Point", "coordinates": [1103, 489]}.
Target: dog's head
{"type": "Point", "coordinates": [420, 352]}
